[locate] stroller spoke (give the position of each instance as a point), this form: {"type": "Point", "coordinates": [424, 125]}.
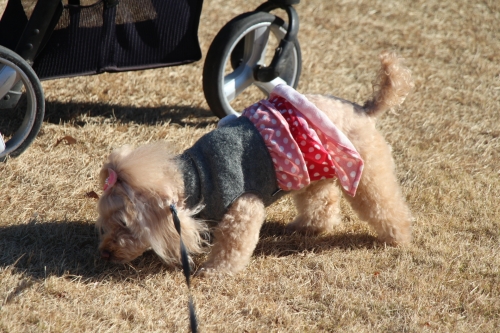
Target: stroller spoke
{"type": "Point", "coordinates": [237, 81]}
{"type": "Point", "coordinates": [256, 45]}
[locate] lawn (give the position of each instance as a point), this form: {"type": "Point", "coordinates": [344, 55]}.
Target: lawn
{"type": "Point", "coordinates": [446, 145]}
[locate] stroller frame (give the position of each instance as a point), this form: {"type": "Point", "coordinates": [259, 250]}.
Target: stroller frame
{"type": "Point", "coordinates": [38, 28]}
{"type": "Point", "coordinates": [20, 76]}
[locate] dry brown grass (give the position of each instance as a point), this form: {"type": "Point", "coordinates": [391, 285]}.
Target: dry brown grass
{"type": "Point", "coordinates": [446, 142]}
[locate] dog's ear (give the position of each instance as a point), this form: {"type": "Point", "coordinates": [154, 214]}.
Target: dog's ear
{"type": "Point", "coordinates": [103, 175]}
{"type": "Point", "coordinates": [117, 157]}
{"type": "Point", "coordinates": [114, 162]}
{"type": "Point", "coordinates": [160, 233]}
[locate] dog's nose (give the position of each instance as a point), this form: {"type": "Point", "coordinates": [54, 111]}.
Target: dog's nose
{"type": "Point", "coordinates": [106, 255]}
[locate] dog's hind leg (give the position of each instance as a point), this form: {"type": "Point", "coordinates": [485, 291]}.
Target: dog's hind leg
{"type": "Point", "coordinates": [379, 200]}
{"type": "Point", "coordinates": [318, 208]}
{"type": "Point", "coordinates": [236, 236]}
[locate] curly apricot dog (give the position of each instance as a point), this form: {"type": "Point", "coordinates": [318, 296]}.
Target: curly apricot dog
{"type": "Point", "coordinates": [312, 147]}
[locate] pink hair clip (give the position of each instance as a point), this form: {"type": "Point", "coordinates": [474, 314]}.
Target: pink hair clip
{"type": "Point", "coordinates": [111, 180]}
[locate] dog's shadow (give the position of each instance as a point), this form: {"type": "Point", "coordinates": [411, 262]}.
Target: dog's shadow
{"type": "Point", "coordinates": [276, 241]}
{"type": "Point", "coordinates": [69, 248]}
{"type": "Point", "coordinates": [64, 248]}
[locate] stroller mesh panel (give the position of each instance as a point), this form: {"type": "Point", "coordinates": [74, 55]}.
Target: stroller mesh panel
{"type": "Point", "coordinates": [88, 17]}
{"type": "Point", "coordinates": [127, 12]}
{"type": "Point", "coordinates": [91, 38]}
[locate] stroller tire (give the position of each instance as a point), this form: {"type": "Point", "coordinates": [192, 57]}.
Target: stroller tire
{"type": "Point", "coordinates": [237, 50]}
{"type": "Point", "coordinates": [21, 122]}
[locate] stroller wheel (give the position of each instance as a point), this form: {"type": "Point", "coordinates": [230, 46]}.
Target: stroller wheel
{"type": "Point", "coordinates": [244, 44]}
{"type": "Point", "coordinates": [22, 103]}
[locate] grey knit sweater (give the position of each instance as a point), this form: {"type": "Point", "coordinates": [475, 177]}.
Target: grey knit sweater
{"type": "Point", "coordinates": [226, 163]}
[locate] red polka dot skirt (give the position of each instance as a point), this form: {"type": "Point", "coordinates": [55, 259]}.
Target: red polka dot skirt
{"type": "Point", "coordinates": [304, 144]}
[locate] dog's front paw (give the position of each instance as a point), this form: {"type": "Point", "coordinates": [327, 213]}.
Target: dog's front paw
{"type": "Point", "coordinates": [204, 272]}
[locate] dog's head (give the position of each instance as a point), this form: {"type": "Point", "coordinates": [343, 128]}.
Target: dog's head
{"type": "Point", "coordinates": [134, 215]}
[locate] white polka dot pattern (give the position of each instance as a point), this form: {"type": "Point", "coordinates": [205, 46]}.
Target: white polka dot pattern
{"type": "Point", "coordinates": [286, 156]}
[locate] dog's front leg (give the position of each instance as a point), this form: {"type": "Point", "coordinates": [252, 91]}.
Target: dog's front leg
{"type": "Point", "coordinates": [236, 236]}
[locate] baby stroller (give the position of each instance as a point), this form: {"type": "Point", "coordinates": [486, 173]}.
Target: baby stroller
{"type": "Point", "coordinates": [50, 39]}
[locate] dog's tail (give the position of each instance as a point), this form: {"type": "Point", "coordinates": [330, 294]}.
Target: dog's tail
{"type": "Point", "coordinates": [392, 85]}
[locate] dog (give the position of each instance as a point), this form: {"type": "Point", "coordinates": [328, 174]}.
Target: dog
{"type": "Point", "coordinates": [221, 186]}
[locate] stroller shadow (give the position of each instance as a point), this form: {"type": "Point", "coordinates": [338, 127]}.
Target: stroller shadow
{"type": "Point", "coordinates": [69, 248]}
{"type": "Point", "coordinates": [56, 112]}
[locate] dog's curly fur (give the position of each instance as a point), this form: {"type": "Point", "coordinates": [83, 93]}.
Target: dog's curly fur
{"type": "Point", "coordinates": [134, 214]}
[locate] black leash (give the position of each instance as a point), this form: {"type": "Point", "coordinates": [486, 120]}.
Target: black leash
{"type": "Point", "coordinates": [186, 269]}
